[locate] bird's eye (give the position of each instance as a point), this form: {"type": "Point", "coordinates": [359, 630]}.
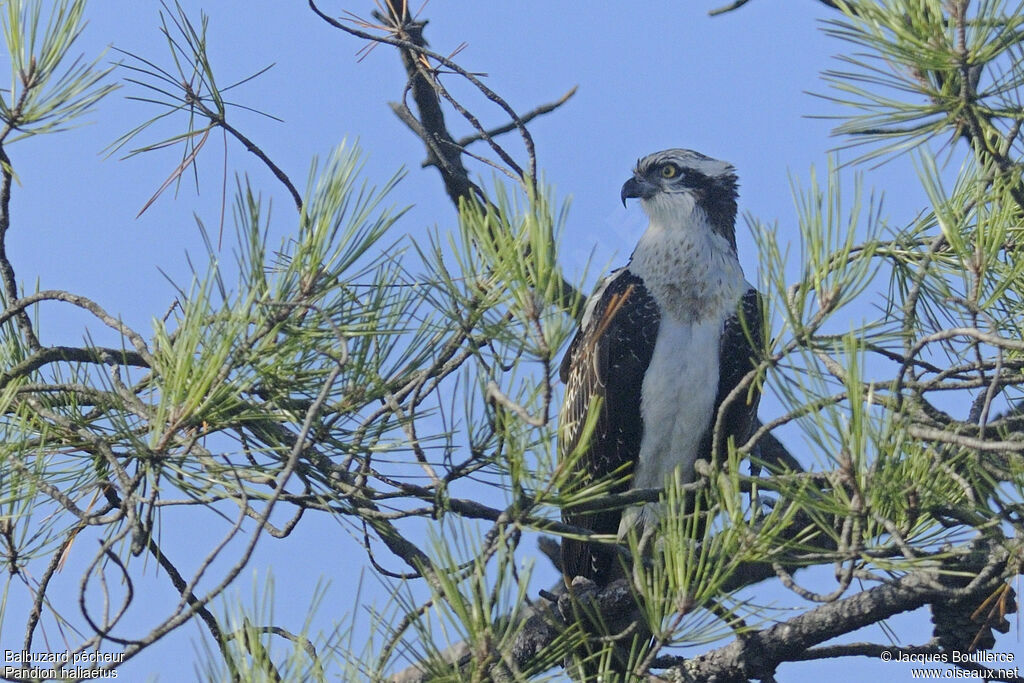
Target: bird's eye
{"type": "Point", "coordinates": [669, 171]}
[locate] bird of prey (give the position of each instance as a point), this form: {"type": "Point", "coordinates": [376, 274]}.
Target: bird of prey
{"type": "Point", "coordinates": [662, 343]}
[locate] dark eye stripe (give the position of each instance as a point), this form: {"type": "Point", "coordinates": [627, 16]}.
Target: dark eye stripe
{"type": "Point", "coordinates": [684, 176]}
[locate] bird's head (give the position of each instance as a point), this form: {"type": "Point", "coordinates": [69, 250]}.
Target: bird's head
{"type": "Point", "coordinates": [672, 184]}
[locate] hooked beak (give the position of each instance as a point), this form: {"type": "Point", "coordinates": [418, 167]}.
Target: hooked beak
{"type": "Point", "coordinates": [637, 187]}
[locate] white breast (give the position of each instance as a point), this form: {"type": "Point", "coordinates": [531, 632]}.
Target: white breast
{"type": "Point", "coordinates": [679, 394]}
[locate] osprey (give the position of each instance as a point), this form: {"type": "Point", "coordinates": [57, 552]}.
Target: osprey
{"type": "Point", "coordinates": [661, 344]}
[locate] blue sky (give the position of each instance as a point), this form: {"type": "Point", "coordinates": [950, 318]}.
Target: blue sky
{"type": "Point", "coordinates": [650, 75]}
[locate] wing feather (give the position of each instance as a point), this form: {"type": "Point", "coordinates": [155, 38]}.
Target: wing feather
{"type": "Point", "coordinates": [737, 355]}
{"type": "Point", "coordinates": [604, 370]}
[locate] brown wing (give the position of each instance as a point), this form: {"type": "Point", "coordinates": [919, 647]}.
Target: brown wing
{"type": "Point", "coordinates": [737, 355]}
{"type": "Point", "coordinates": [606, 360]}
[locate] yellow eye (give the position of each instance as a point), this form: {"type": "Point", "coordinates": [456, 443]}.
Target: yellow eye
{"type": "Point", "coordinates": [669, 171]}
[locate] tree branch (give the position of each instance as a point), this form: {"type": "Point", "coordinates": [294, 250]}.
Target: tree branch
{"type": "Point", "coordinates": [6, 269]}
